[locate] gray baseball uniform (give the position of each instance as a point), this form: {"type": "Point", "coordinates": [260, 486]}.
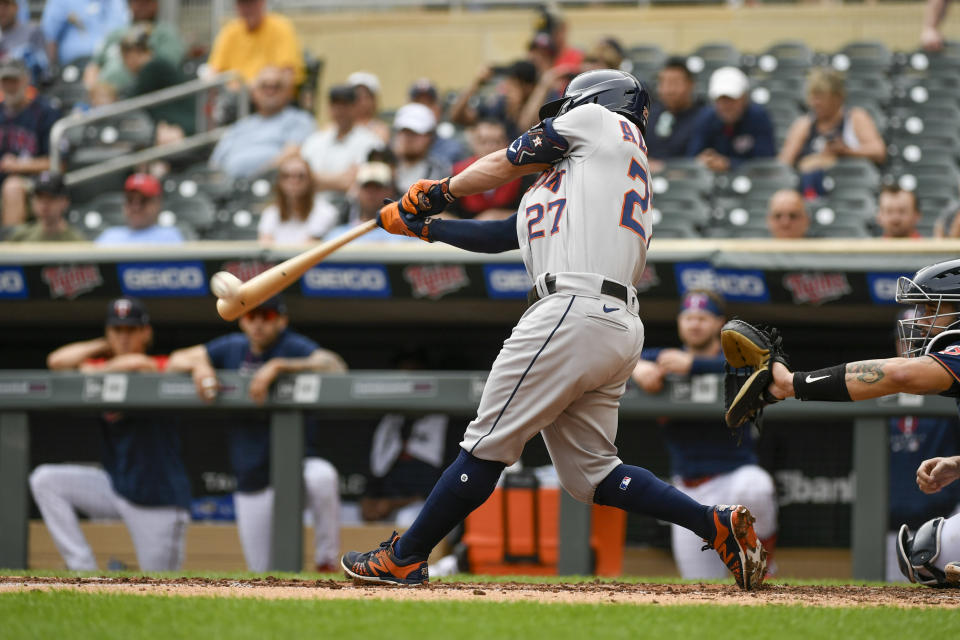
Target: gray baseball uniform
{"type": "Point", "coordinates": [564, 367]}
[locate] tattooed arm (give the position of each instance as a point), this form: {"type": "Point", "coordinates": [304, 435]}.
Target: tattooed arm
{"type": "Point", "coordinates": [875, 378]}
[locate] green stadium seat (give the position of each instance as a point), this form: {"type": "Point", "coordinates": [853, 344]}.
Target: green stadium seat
{"type": "Point", "coordinates": [789, 55]}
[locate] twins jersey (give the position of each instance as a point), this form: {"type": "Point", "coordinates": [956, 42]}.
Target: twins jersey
{"type": "Point", "coordinates": [590, 212]}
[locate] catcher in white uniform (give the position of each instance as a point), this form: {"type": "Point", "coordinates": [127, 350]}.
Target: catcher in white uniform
{"type": "Point", "coordinates": [583, 229]}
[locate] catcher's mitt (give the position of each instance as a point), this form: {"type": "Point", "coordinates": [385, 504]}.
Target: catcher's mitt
{"type": "Point", "coordinates": [750, 351]}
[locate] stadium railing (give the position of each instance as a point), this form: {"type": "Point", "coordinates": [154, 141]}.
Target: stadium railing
{"type": "Point", "coordinates": [22, 392]}
{"type": "Point", "coordinates": [204, 136]}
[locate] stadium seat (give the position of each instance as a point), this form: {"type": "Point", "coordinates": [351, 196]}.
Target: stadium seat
{"type": "Point", "coordinates": [682, 176]}
{"type": "Point", "coordinates": [865, 56]}
{"type": "Point", "coordinates": [689, 208]}
{"type": "Point", "coordinates": [788, 55]}
{"type": "Point", "coordinates": [239, 224]}
{"type": "Point", "coordinates": [647, 60]}
{"type": "Point", "coordinates": [197, 211]}
{"type": "Point", "coordinates": [873, 84]}
{"type": "Point", "coordinates": [216, 184]}
{"type": "Point", "coordinates": [674, 229]}
{"type": "Point", "coordinates": [852, 173]}
{"type": "Point", "coordinates": [759, 178]}
{"type": "Point", "coordinates": [67, 89]}
{"type": "Point", "coordinates": [849, 205]}
{"type": "Point", "coordinates": [839, 230]}
{"type": "Point", "coordinates": [742, 220]}
{"type": "Point", "coordinates": [718, 54]}
{"type": "Point", "coordinates": [106, 207]}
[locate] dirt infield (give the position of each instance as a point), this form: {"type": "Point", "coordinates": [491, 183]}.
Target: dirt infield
{"type": "Point", "coordinates": [583, 593]}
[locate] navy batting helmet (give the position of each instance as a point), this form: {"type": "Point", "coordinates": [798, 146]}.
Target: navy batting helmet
{"type": "Point", "coordinates": [931, 322]}
{"type": "Point", "coordinates": [618, 91]}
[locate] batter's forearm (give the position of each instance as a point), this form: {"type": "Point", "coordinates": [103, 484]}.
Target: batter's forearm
{"type": "Point", "coordinates": [490, 172]}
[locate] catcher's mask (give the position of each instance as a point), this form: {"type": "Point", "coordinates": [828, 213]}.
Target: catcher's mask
{"type": "Point", "coordinates": [930, 289]}
{"type": "Point", "coordinates": [618, 91]}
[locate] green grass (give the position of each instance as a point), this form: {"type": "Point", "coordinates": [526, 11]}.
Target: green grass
{"type": "Point", "coordinates": [66, 614]}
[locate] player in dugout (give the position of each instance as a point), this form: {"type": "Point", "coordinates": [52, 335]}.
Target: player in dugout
{"type": "Point", "coordinates": [707, 463]}
{"type": "Point", "coordinates": [264, 348]}
{"type": "Point", "coordinates": [930, 344]}
{"type": "Point", "coordinates": [143, 480]}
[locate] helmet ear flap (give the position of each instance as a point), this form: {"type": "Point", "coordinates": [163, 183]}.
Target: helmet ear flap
{"type": "Point", "coordinates": [553, 108]}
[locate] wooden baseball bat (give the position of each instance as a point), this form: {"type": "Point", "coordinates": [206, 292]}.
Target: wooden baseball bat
{"type": "Point", "coordinates": [277, 278]}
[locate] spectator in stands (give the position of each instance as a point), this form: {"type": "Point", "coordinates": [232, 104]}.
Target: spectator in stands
{"type": "Point", "coordinates": [143, 480]}
{"type": "Point", "coordinates": [374, 184]}
{"type": "Point", "coordinates": [948, 224]}
{"type": "Point", "coordinates": [934, 12]}
{"type": "Point", "coordinates": [264, 349]}
{"type": "Point", "coordinates": [486, 137]}
{"type": "Point", "coordinates": [553, 24]}
{"type": "Point", "coordinates": [299, 215]}
{"type": "Point", "coordinates": [897, 213]}
{"type": "Point", "coordinates": [25, 124]}
{"type": "Point", "coordinates": [674, 115]}
{"type": "Point", "coordinates": [542, 51]}
{"type": "Point", "coordinates": [912, 440]}
{"type": "Point", "coordinates": [75, 29]}
{"type": "Point", "coordinates": [446, 147]}
{"type": "Point", "coordinates": [366, 86]}
{"type": "Point", "coordinates": [49, 204]}
{"type": "Point", "coordinates": [23, 40]}
{"type": "Point", "coordinates": [787, 217]}
{"type": "Point", "coordinates": [733, 128]}
{"type": "Point", "coordinates": [144, 199]}
{"type": "Point", "coordinates": [173, 120]}
{"type": "Point", "coordinates": [335, 152]}
{"type": "Point", "coordinates": [107, 64]}
{"type": "Point", "coordinates": [705, 461]}
{"type": "Point", "coordinates": [507, 105]}
{"type": "Point", "coordinates": [607, 53]}
{"type": "Point", "coordinates": [830, 131]}
{"type": "Point", "coordinates": [414, 131]}
{"type": "Point", "coordinates": [259, 141]}
{"type": "Point", "coordinates": [256, 39]}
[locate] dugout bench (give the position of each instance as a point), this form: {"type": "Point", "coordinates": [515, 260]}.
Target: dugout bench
{"type": "Point", "coordinates": [22, 392]}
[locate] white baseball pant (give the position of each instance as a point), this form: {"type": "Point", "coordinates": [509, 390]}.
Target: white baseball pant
{"type": "Point", "coordinates": [63, 490]}
{"type": "Point", "coordinates": [254, 512]}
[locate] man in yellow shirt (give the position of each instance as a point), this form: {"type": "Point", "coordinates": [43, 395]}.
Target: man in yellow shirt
{"type": "Point", "coordinates": [256, 39]}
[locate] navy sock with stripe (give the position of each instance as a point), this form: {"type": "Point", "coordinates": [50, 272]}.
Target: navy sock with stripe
{"type": "Point", "coordinates": [464, 486]}
{"type": "Point", "coordinates": [636, 490]}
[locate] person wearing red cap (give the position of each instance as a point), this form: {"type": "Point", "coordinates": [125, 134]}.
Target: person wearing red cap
{"type": "Point", "coordinates": [140, 209]}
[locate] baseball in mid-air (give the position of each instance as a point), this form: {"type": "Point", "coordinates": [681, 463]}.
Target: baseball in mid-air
{"type": "Point", "coordinates": [224, 285]}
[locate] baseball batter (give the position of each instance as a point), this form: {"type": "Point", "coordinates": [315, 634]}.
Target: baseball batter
{"type": "Point", "coordinates": [583, 229]}
{"type": "Point", "coordinates": [706, 461]}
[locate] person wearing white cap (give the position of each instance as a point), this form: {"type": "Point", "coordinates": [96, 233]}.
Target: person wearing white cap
{"type": "Point", "coordinates": [334, 153]}
{"type": "Point", "coordinates": [374, 184]}
{"type": "Point", "coordinates": [414, 129]}
{"type": "Point", "coordinates": [733, 128]}
{"type": "Point", "coordinates": [367, 87]}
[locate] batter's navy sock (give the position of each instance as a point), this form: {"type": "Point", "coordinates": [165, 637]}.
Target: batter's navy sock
{"type": "Point", "coordinates": [465, 485]}
{"type": "Point", "coordinates": [636, 490]}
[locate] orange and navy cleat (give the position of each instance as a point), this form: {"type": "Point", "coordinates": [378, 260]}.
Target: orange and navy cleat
{"type": "Point", "coordinates": [381, 565]}
{"type": "Point", "coordinates": [737, 544]}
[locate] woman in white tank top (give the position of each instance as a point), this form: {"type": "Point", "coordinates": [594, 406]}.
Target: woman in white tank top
{"type": "Point", "coordinates": [830, 131]}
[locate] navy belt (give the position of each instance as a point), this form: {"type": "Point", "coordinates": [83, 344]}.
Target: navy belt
{"type": "Point", "coordinates": [608, 288]}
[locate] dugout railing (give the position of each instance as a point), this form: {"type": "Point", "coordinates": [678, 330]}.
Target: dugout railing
{"type": "Point", "coordinates": [24, 392]}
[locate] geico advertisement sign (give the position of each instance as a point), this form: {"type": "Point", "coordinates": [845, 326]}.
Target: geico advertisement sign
{"type": "Point", "coordinates": [741, 285]}
{"type": "Point", "coordinates": [507, 280]}
{"type": "Point", "coordinates": [12, 284]}
{"type": "Point", "coordinates": [347, 281]}
{"type": "Point", "coordinates": [163, 279]}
